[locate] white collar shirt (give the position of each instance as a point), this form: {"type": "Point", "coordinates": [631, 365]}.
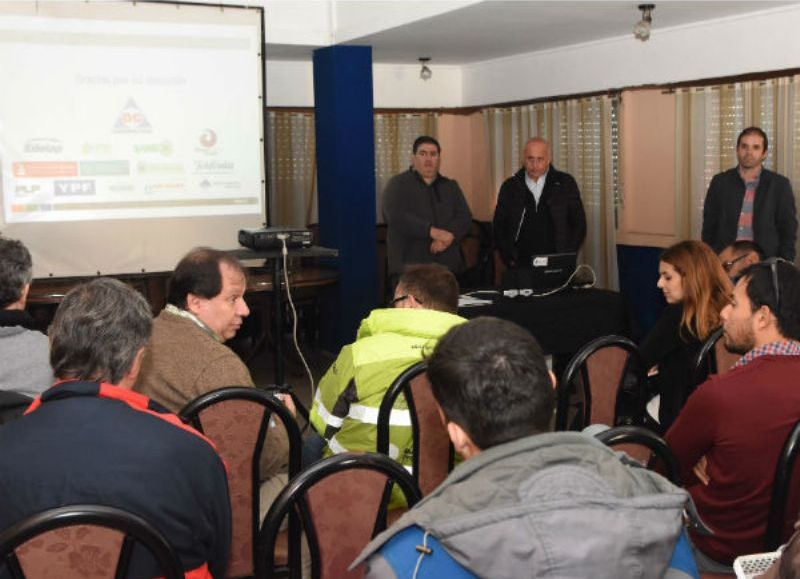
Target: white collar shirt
{"type": "Point", "coordinates": [536, 186]}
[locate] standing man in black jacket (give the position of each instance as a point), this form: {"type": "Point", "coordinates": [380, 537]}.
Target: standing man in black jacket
{"type": "Point", "coordinates": [750, 202]}
{"type": "Point", "coordinates": [426, 214]}
{"type": "Point", "coordinates": [539, 210]}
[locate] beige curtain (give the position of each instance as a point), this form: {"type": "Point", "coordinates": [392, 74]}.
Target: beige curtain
{"type": "Point", "coordinates": [291, 160]}
{"type": "Point", "coordinates": [394, 136]}
{"type": "Point", "coordinates": [583, 138]}
{"type": "Point", "coordinates": [291, 168]}
{"type": "Point", "coordinates": [708, 121]}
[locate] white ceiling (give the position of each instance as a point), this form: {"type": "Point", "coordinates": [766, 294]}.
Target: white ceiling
{"type": "Point", "coordinates": [498, 28]}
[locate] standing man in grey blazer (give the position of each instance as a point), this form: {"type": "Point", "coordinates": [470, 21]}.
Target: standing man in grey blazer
{"type": "Point", "coordinates": [751, 203]}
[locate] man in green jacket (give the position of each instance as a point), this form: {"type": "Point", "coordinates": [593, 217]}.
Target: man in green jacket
{"type": "Point", "coordinates": [345, 410]}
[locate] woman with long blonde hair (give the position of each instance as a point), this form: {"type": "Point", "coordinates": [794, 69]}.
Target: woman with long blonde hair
{"type": "Point", "coordinates": [696, 289]}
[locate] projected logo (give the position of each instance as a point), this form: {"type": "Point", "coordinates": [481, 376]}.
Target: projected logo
{"type": "Point", "coordinates": [164, 148]}
{"type": "Point", "coordinates": [35, 146]}
{"type": "Point", "coordinates": [208, 143]}
{"type": "Point", "coordinates": [132, 120]}
{"type": "Point", "coordinates": [74, 187]}
{"type": "Point", "coordinates": [208, 138]}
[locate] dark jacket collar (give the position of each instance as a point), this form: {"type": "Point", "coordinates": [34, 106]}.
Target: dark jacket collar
{"type": "Point", "coordinates": [17, 318]}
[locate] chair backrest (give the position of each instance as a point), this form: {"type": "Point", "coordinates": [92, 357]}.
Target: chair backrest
{"type": "Point", "coordinates": [785, 499]}
{"type": "Point", "coordinates": [79, 541]}
{"type": "Point", "coordinates": [236, 419]}
{"type": "Point", "coordinates": [433, 451]}
{"type": "Point", "coordinates": [712, 358]}
{"type": "Point", "coordinates": [342, 504]}
{"type": "Point", "coordinates": [607, 375]}
{"type": "Point", "coordinates": [644, 446]}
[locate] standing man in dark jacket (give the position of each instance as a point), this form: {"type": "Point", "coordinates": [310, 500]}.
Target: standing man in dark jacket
{"type": "Point", "coordinates": [539, 210]}
{"type": "Point", "coordinates": [425, 213]}
{"type": "Point", "coordinates": [750, 202]}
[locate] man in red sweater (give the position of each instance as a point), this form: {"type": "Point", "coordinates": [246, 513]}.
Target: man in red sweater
{"type": "Point", "coordinates": [729, 435]}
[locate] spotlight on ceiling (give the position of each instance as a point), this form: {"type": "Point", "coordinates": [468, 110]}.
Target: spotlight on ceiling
{"type": "Point", "coordinates": [425, 72]}
{"type": "Point", "coordinates": [642, 29]}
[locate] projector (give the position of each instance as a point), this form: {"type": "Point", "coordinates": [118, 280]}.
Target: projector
{"type": "Point", "coordinates": [267, 238]}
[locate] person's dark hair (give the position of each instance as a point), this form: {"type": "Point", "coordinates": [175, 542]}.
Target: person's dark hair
{"type": "Point", "coordinates": [97, 331]}
{"type": "Point", "coordinates": [198, 273]}
{"type": "Point", "coordinates": [753, 131]}
{"type": "Point", "coordinates": [743, 246]}
{"type": "Point", "coordinates": [425, 140]}
{"type": "Point", "coordinates": [761, 292]}
{"type": "Point", "coordinates": [432, 285]}
{"type": "Point", "coordinates": [16, 270]}
{"type": "Point", "coordinates": [489, 376]}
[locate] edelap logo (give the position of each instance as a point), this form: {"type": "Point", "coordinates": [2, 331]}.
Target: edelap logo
{"type": "Point", "coordinates": [131, 119]}
{"type": "Point", "coordinates": [52, 146]}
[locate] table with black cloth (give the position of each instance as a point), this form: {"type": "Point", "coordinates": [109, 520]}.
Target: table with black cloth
{"type": "Point", "coordinates": [562, 322]}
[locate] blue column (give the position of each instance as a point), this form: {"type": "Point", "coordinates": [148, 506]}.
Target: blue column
{"type": "Point", "coordinates": [346, 184]}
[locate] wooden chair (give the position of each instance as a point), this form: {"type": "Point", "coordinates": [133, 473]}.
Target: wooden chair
{"type": "Point", "coordinates": [79, 541]}
{"type": "Point", "coordinates": [341, 502]}
{"type": "Point", "coordinates": [713, 358]}
{"type": "Point", "coordinates": [236, 419]}
{"type": "Point", "coordinates": [644, 446]}
{"type": "Point", "coordinates": [607, 379]}
{"type": "Point", "coordinates": [432, 457]}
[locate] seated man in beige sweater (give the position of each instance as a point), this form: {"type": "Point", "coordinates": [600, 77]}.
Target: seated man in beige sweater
{"type": "Point", "coordinates": [186, 355]}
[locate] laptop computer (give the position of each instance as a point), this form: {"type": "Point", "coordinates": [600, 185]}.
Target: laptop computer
{"type": "Point", "coordinates": [544, 272]}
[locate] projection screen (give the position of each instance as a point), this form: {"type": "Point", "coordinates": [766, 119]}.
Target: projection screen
{"type": "Point", "coordinates": [129, 132]}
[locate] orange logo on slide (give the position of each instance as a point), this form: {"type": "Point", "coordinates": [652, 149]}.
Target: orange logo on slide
{"type": "Point", "coordinates": [45, 169]}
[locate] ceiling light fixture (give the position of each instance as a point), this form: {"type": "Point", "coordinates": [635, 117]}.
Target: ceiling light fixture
{"type": "Point", "coordinates": [425, 72]}
{"type": "Point", "coordinates": [642, 29]}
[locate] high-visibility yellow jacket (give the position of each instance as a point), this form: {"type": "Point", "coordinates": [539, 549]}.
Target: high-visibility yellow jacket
{"type": "Point", "coordinates": [345, 408]}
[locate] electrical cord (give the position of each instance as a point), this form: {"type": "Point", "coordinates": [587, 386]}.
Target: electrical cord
{"type": "Point", "coordinates": [530, 293]}
{"type": "Point", "coordinates": [285, 253]}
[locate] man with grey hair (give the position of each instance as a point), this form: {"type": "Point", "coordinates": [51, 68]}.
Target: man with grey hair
{"type": "Point", "coordinates": [24, 368]}
{"type": "Point", "coordinates": [90, 439]}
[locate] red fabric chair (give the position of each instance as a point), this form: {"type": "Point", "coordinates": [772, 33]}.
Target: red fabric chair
{"type": "Point", "coordinates": [433, 452]}
{"type": "Point", "coordinates": [236, 419]}
{"type": "Point", "coordinates": [606, 379]}
{"type": "Point", "coordinates": [79, 541]}
{"type": "Point", "coordinates": [341, 501]}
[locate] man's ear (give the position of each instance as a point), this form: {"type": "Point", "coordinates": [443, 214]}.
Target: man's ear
{"type": "Point", "coordinates": [553, 379]}
{"type": "Point", "coordinates": [193, 303]}
{"type": "Point", "coordinates": [462, 443]}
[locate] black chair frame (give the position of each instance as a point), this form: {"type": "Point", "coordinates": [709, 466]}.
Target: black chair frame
{"type": "Point", "coordinates": [578, 364]}
{"type": "Point", "coordinates": [134, 528]}
{"type": "Point", "coordinates": [780, 490]}
{"type": "Point", "coordinates": [292, 500]}
{"type": "Point", "coordinates": [402, 385]}
{"type": "Point", "coordinates": [705, 362]}
{"type": "Point", "coordinates": [191, 415]}
{"type": "Point", "coordinates": [657, 445]}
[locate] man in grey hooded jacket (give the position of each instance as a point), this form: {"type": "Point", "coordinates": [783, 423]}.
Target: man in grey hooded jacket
{"type": "Point", "coordinates": [24, 351]}
{"type": "Point", "coordinates": [525, 502]}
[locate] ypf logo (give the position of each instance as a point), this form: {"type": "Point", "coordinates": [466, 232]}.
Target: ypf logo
{"type": "Point", "coordinates": [132, 120]}
{"type": "Point", "coordinates": [208, 138]}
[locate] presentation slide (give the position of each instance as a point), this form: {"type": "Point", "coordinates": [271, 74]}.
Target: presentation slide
{"type": "Point", "coordinates": [134, 113]}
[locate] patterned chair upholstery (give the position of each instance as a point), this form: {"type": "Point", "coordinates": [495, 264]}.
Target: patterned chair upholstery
{"type": "Point", "coordinates": [433, 451]}
{"type": "Point", "coordinates": [82, 541]}
{"type": "Point", "coordinates": [607, 377]}
{"type": "Point", "coordinates": [341, 502]}
{"type": "Point", "coordinates": [236, 419]}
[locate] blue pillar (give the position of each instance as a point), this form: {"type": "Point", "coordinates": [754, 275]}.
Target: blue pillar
{"type": "Point", "coordinates": [346, 184]}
